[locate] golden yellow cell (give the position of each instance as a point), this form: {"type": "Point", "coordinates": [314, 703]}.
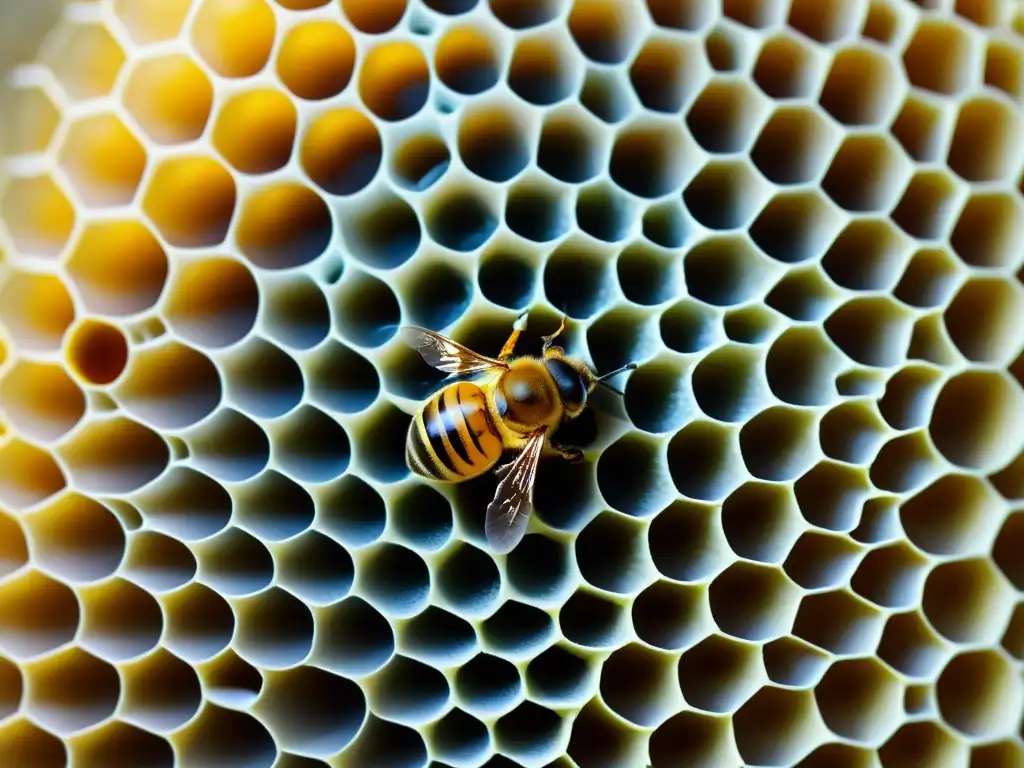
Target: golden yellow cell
{"type": "Point", "coordinates": [38, 215]}
{"type": "Point", "coordinates": [191, 200]}
{"type": "Point", "coordinates": [28, 476]}
{"type": "Point", "coordinates": [316, 60]}
{"type": "Point", "coordinates": [255, 130]}
{"type": "Point", "coordinates": [466, 60]}
{"type": "Point", "coordinates": [104, 161]}
{"type": "Point", "coordinates": [374, 17]}
{"type": "Point", "coordinates": [234, 37]}
{"type": "Point", "coordinates": [394, 80]}
{"type": "Point", "coordinates": [31, 120]}
{"type": "Point", "coordinates": [86, 60]}
{"type": "Point", "coordinates": [170, 97]}
{"type": "Point", "coordinates": [40, 400]}
{"type": "Point", "coordinates": [97, 352]}
{"type": "Point", "coordinates": [152, 21]}
{"type": "Point", "coordinates": [212, 302]}
{"type": "Point", "coordinates": [284, 226]}
{"type": "Point", "coordinates": [36, 310]}
{"type": "Point", "coordinates": [341, 152]}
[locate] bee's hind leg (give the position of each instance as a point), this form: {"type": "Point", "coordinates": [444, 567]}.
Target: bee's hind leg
{"type": "Point", "coordinates": [548, 341]}
{"type": "Point", "coordinates": [517, 328]}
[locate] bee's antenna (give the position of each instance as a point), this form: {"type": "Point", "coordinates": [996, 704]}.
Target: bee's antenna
{"type": "Point", "coordinates": [603, 380]}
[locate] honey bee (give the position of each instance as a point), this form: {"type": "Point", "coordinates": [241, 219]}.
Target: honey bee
{"type": "Point", "coordinates": [462, 431]}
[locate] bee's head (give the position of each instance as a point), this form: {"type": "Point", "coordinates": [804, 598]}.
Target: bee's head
{"type": "Point", "coordinates": [575, 380]}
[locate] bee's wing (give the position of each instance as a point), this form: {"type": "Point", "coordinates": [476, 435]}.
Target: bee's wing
{"type": "Point", "coordinates": [447, 355]}
{"type": "Point", "coordinates": [510, 511]}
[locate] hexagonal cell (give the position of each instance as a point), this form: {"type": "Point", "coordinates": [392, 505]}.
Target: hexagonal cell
{"type": "Point", "coordinates": [275, 629]}
{"type": "Point", "coordinates": [37, 214]}
{"type": "Point", "coordinates": [862, 88]}
{"type": "Point", "coordinates": [872, 331]}
{"type": "Point", "coordinates": [801, 365]}
{"type": "Point", "coordinates": [648, 275]}
{"type": "Point", "coordinates": [968, 601]}
{"type": "Point", "coordinates": [191, 200]}
{"type": "Point", "coordinates": [986, 140]}
{"type": "Point", "coordinates": [925, 210]}
{"type": "Point", "coordinates": [795, 226]}
{"type": "Point", "coordinates": [467, 59]}
{"type": "Point", "coordinates": [170, 97]}
{"type": "Point", "coordinates": [1001, 753]}
{"type": "Point", "coordinates": [238, 734]}
{"type": "Point", "coordinates": [85, 58]}
{"type": "Point", "coordinates": [610, 554]}
{"type": "Point", "coordinates": [884, 22]}
{"type": "Point", "coordinates": [726, 116]}
{"type": "Point", "coordinates": [792, 662]}
{"type": "Point", "coordinates": [189, 505]}
{"type": "Point", "coordinates": [891, 576]}
{"type": "Point", "coordinates": [198, 309]}
{"type": "Point", "coordinates": [922, 128]}
{"type": "Point", "coordinates": [649, 158]}
{"type": "Point", "coordinates": [116, 455]}
{"type": "Point", "coordinates": [32, 122]}
{"type": "Point", "coordinates": [103, 160]}
{"type": "Point", "coordinates": [692, 738]}
{"type": "Point", "coordinates": [487, 685]}
{"type": "Point", "coordinates": [605, 31]}
{"type": "Point", "coordinates": [199, 625]}
{"type": "Point", "coordinates": [821, 560]}
{"type": "Point", "coordinates": [761, 521]}
{"type": "Point", "coordinates": [235, 563]}
{"type": "Point", "coordinates": [255, 131]}
{"type": "Point", "coordinates": [725, 270]}
{"type": "Point", "coordinates": [40, 615]}
{"type": "Point", "coordinates": [984, 13]}
{"type": "Point", "coordinates": [770, 712]}
{"type": "Point", "coordinates": [923, 743]}
{"type": "Point", "coordinates": [867, 174]}
{"type": "Point", "coordinates": [544, 68]}
{"type": "Point", "coordinates": [638, 684]}
{"type": "Point", "coordinates": [705, 461]}
{"type": "Point", "coordinates": [578, 278]}
{"type": "Point", "coordinates": [980, 694]}
{"type": "Point", "coordinates": [118, 267]}
{"type": "Point", "coordinates": [860, 699]}
{"type": "Point", "coordinates": [909, 397]}
{"type": "Point", "coordinates": [36, 310]}
{"type": "Point", "coordinates": [283, 226]}
{"type": "Point", "coordinates": [97, 548]}
{"type": "Point", "coordinates": [980, 320]}
{"type": "Point", "coordinates": [973, 417]}
{"type": "Point", "coordinates": [753, 602]}
{"type": "Point", "coordinates": [316, 60]}
{"type": "Point", "coordinates": [667, 72]}
{"type": "Point", "coordinates": [760, 14]}
{"type": "Point", "coordinates": [394, 79]}
{"type": "Point", "coordinates": [1004, 68]}
{"type": "Point", "coordinates": [804, 294]}
{"type": "Point", "coordinates": [410, 692]}
{"type": "Point", "coordinates": [941, 57]}
{"type": "Point", "coordinates": [1008, 545]}
{"type": "Point", "coordinates": [152, 21]}
{"type": "Point", "coordinates": [786, 68]}
{"type": "Point", "coordinates": [795, 145]}
{"type": "Point", "coordinates": [719, 674]}
{"type": "Point", "coordinates": [28, 475]}
{"type": "Point", "coordinates": [373, 18]}
{"type": "Point", "coordinates": [868, 254]}
{"type": "Point", "coordinates": [71, 691]}
{"type": "Point", "coordinates": [929, 279]}
{"type": "Point", "coordinates": [988, 229]}
{"type": "Point", "coordinates": [825, 22]}
{"type": "Point", "coordinates": [461, 216]}
{"type": "Point", "coordinates": [459, 738]}
{"type": "Point", "coordinates": [839, 622]}
{"type": "Point", "coordinates": [910, 646]}
{"type": "Point", "coordinates": [494, 140]}
{"type": "Point", "coordinates": [671, 616]}
{"type": "Point", "coordinates": [687, 543]}
{"type": "Point", "coordinates": [601, 739]}
{"type": "Point", "coordinates": [234, 37]}
{"type": "Point", "coordinates": [606, 94]}
{"type": "Point", "coordinates": [23, 743]}
{"type": "Point", "coordinates": [1013, 639]}
{"type": "Point", "coordinates": [570, 148]}
{"type": "Point", "coordinates": [780, 443]}
{"type": "Point", "coordinates": [604, 212]}
{"type": "Point", "coordinates": [418, 162]}
{"type": "Point", "coordinates": [725, 195]}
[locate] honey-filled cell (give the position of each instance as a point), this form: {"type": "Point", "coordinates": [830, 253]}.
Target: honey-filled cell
{"type": "Point", "coordinates": [316, 59]}
{"type": "Point", "coordinates": [394, 80]}
{"type": "Point", "coordinates": [255, 130]}
{"type": "Point", "coordinates": [234, 37]}
{"type": "Point", "coordinates": [342, 151]}
{"type": "Point", "coordinates": [97, 352]}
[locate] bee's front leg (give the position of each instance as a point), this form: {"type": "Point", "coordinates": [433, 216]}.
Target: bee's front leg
{"type": "Point", "coordinates": [570, 453]}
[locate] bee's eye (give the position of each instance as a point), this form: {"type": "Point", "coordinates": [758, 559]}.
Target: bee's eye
{"type": "Point", "coordinates": [570, 385]}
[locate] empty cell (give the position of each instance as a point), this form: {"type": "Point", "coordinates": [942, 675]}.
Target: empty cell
{"type": "Point", "coordinates": [352, 638]}
{"type": "Point", "coordinates": [578, 277]}
{"type": "Point", "coordinates": [24, 743]}
{"type": "Point", "coordinates": [801, 365]}
{"type": "Point", "coordinates": [157, 562]}
{"type": "Point", "coordinates": [119, 743]}
{"type": "Point", "coordinates": [461, 217]}
{"type": "Point", "coordinates": [637, 684]}
{"type": "Point", "coordinates": [571, 146]}
{"type": "Point", "coordinates": [170, 386]}
{"type": "Point", "coordinates": [394, 745]}
{"type": "Point", "coordinates": [910, 646]}
{"type": "Point", "coordinates": [394, 578]}
{"type": "Point", "coordinates": [40, 400]}
{"type": "Point", "coordinates": [506, 277]}
{"type": "Point", "coordinates": [759, 14]}
{"type": "Point", "coordinates": [160, 692]}
{"type": "Point", "coordinates": [394, 80]}
{"type": "Point", "coordinates": [37, 215]}
{"type": "Point", "coordinates": [867, 255]}
{"type": "Point", "coordinates": [605, 31]}
{"type": "Point", "coordinates": [769, 712]}
{"type": "Point", "coordinates": [262, 379]}
{"type": "Point", "coordinates": [761, 521]}
{"type": "Point", "coordinates": [839, 622]}
{"type": "Point", "coordinates": [516, 15]}
{"type": "Point", "coordinates": [795, 226]}
{"type": "Point", "coordinates": [40, 615]}
{"type": "Point", "coordinates": [872, 331]}
{"type": "Point", "coordinates": [115, 455]}
{"type": "Point", "coordinates": [779, 443]}
{"type": "Point", "coordinates": [212, 302]}
{"type": "Point", "coordinates": [118, 267]}
{"type": "Point", "coordinates": [283, 226]}
{"type": "Point", "coordinates": [544, 68]}
{"type": "Point", "coordinates": [1001, 753]}
{"type": "Point", "coordinates": [942, 57]}
{"type": "Point", "coordinates": [620, 336]}
{"type": "Point", "coordinates": [967, 601]}
{"type": "Point", "coordinates": [494, 141]}
{"type": "Point", "coordinates": [651, 158]}
{"type": "Point", "coordinates": [255, 130]}
{"type": "Point", "coordinates": [487, 685]}
{"type": "Point", "coordinates": [648, 275]}
{"type": "Point", "coordinates": [704, 460]}
{"type": "Point", "coordinates": [538, 210]}
{"type": "Point", "coordinates": [34, 119]}
{"type": "Point", "coordinates": [1006, 546]}
{"type": "Point", "coordinates": [984, 13]}
{"type": "Point", "coordinates": [691, 16]}
{"type": "Point", "coordinates": [988, 230]}
{"type": "Point", "coordinates": [296, 312]}
{"type": "Point", "coordinates": [530, 731]}
{"type": "Point", "coordinates": [725, 49]}
{"type": "Point", "coordinates": [350, 510]}
{"type": "Point", "coordinates": [724, 270]}
{"type": "Point", "coordinates": [659, 399]}
{"type": "Point", "coordinates": [341, 151]}
{"type": "Point", "coordinates": [666, 74]}
{"type": "Point", "coordinates": [866, 174]}
{"type": "Point", "coordinates": [121, 621]}
{"type": "Point", "coordinates": [28, 475]}
{"type": "Point", "coordinates": [974, 419]}
{"type": "Point", "coordinates": [539, 569]}
{"type": "Point", "coordinates": [610, 553]}
{"type": "Point", "coordinates": [170, 98]}
{"type": "Point", "coordinates": [370, 16]}
{"type": "Point", "coordinates": [76, 539]}
{"type": "Point", "coordinates": [719, 673]}
{"type": "Point", "coordinates": [956, 514]}
{"type": "Point", "coordinates": [600, 739]}
{"type": "Point", "coordinates": [821, 560]}
{"type": "Point", "coordinates": [604, 212]}
{"type": "Point", "coordinates": [725, 195]}
{"type": "Point", "coordinates": [152, 21]}
{"type": "Point", "coordinates": [467, 59]}
{"type": "Point", "coordinates": [85, 58]}
{"type": "Point", "coordinates": [315, 59]}
{"type": "Point", "coordinates": [191, 200]}
{"type": "Point", "coordinates": [671, 616]}
{"type": "Point", "coordinates": [36, 310]}
{"type": "Point", "coordinates": [468, 581]}
{"type": "Point", "coordinates": [909, 397]}
{"type": "Point", "coordinates": [418, 162]}
{"type": "Point", "coordinates": [904, 463]}
{"type": "Point", "coordinates": [862, 382]}
{"type": "Point", "coordinates": [1013, 639]}
{"type": "Point", "coordinates": [438, 637]}
{"type": "Point", "coordinates": [13, 546]}
{"type": "Point", "coordinates": [726, 116]}
{"type": "Point", "coordinates": [859, 699]}
{"type": "Point", "coordinates": [926, 208]}
{"type": "Point", "coordinates": [218, 735]}
{"type": "Point", "coordinates": [753, 602]}
{"type": "Point", "coordinates": [891, 576]}
{"type": "Point", "coordinates": [979, 694]}
{"type": "Point", "coordinates": [451, 7]}
{"type": "Point", "coordinates": [980, 320]}
{"type": "Point", "coordinates": [694, 739]}
{"type": "Point", "coordinates": [366, 310]}
{"type": "Point", "coordinates": [606, 95]}
{"type": "Point", "coordinates": [750, 325]}
{"type": "Point", "coordinates": [921, 127]}
{"type": "Point", "coordinates": [459, 738]}
{"type": "Point", "coordinates": [826, 22]}
{"type": "Point", "coordinates": [186, 504]}
{"type": "Point", "coordinates": [383, 232]}
{"type": "Point", "coordinates": [923, 743]}
{"type": "Point", "coordinates": [234, 563]}
{"type": "Point", "coordinates": [517, 629]}
{"type": "Point", "coordinates": [275, 629]}
{"type": "Point", "coordinates": [666, 224]}
{"type": "Point", "coordinates": [851, 432]}
{"type": "Point", "coordinates": [311, 446]}
{"type": "Point", "coordinates": [234, 38]}
{"type": "Point", "coordinates": [1004, 68]}
{"type": "Point", "coordinates": [786, 68]}
{"type": "Point", "coordinates": [688, 327]}
{"type": "Point", "coordinates": [791, 662]}
{"type": "Point", "coordinates": [918, 699]}
{"type": "Point", "coordinates": [728, 384]}
{"type": "Point", "coordinates": [862, 87]}
{"type": "Point", "coordinates": [315, 568]}
{"type": "Point", "coordinates": [199, 625]}
{"type": "Point", "coordinates": [103, 160]}
{"type": "Point", "coordinates": [589, 620]}
{"type": "Point", "coordinates": [340, 379]}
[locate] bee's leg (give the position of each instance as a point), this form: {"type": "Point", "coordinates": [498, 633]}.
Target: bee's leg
{"type": "Point", "coordinates": [570, 453]}
{"type": "Point", "coordinates": [549, 340]}
{"type": "Point", "coordinates": [517, 328]}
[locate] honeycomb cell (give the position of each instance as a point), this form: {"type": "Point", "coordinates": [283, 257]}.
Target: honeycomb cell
{"type": "Point", "coordinates": [539, 570]}
{"type": "Point", "coordinates": [648, 275]}
{"type": "Point", "coordinates": [385, 232]}
{"type": "Point", "coordinates": [199, 623]}
{"type": "Point", "coordinates": [972, 417]}
{"type": "Point", "coordinates": [370, 16]}
{"type": "Point", "coordinates": [41, 401]}
{"type": "Point", "coordinates": [28, 475]}
{"type": "Point", "coordinates": [366, 310]}
{"type": "Point", "coordinates": [24, 743]}
{"type": "Point", "coordinates": [859, 699]}
{"type": "Point", "coordinates": [394, 578]}
{"type": "Point", "coordinates": [234, 563]}
{"type": "Point", "coordinates": [467, 60]}
{"type": "Point", "coordinates": [340, 379]}
{"type": "Point", "coordinates": [793, 226]}
{"type": "Point", "coordinates": [71, 691]}
{"type": "Point", "coordinates": [494, 141]}
{"type": "Point", "coordinates": [459, 738]}
{"type": "Point", "coordinates": [263, 380]}
{"type": "Point", "coordinates": [341, 151]}
{"type": "Point", "coordinates": [941, 57]}
{"type": "Point", "coordinates": [786, 68]}
{"type": "Point", "coordinates": [839, 622]}
{"type": "Point", "coordinates": [987, 229]}
{"type": "Point", "coordinates": [420, 161]}
{"type": "Point", "coordinates": [170, 386]}
{"type": "Point", "coordinates": [985, 335]}
{"type": "Point", "coordinates": [118, 267]}
{"type": "Point", "coordinates": [394, 80]}
{"type": "Point", "coordinates": [985, 139]}
{"type": "Point", "coordinates": [103, 160]}
{"type": "Point", "coordinates": [761, 522]}
{"type": "Point", "coordinates": [85, 58]}
{"type": "Point", "coordinates": [36, 119]}
{"type": "Point", "coordinates": [924, 210]}
{"type": "Point", "coordinates": [605, 31]}
{"type": "Point", "coordinates": [718, 674]}
{"type": "Point", "coordinates": [391, 743]}
{"type": "Point", "coordinates": [704, 460]}
{"type": "Point", "coordinates": [170, 98]}
{"type": "Point", "coordinates": [212, 302]}
{"type": "Point", "coordinates": [191, 199]}
{"type": "Point", "coordinates": [820, 560]}
{"type": "Point", "coordinates": [468, 581]}
{"type": "Point", "coordinates": [218, 734]}
{"type": "Point", "coordinates": [862, 87]}
{"type": "Point", "coordinates": [650, 158]}
{"type": "Point", "coordinates": [911, 646]}
{"type": "Point", "coordinates": [658, 400]}
{"type": "Point", "coordinates": [13, 546]}
{"type": "Point", "coordinates": [792, 662]}
{"type": "Point", "coordinates": [867, 255]}
{"type": "Point", "coordinates": [666, 74]}
{"type": "Point", "coordinates": [157, 562]}
{"type": "Point", "coordinates": [255, 131]}
{"type": "Point", "coordinates": [967, 601]}
{"type": "Point", "coordinates": [923, 743]}
{"type": "Point", "coordinates": [349, 510]}
{"type": "Point", "coordinates": [984, 13]}
{"type": "Point", "coordinates": [589, 620]}
{"type": "Point", "coordinates": [979, 694]}
{"type": "Point", "coordinates": [667, 224]}
{"type": "Point", "coordinates": [800, 367]}
{"type": "Point", "coordinates": [891, 576]}
{"type": "Point", "coordinates": [275, 629]}
{"type": "Point", "coordinates": [1013, 639]}
{"type": "Point", "coordinates": [93, 553]}
{"type": "Point", "coordinates": [1006, 753]}
{"type": "Point", "coordinates": [487, 685]}
{"type": "Point", "coordinates": [352, 638]}
{"type": "Point", "coordinates": [186, 504]}
{"type": "Point", "coordinates": [234, 38]}
{"type": "Point", "coordinates": [600, 739]}
{"type": "Point", "coordinates": [40, 615]}
{"type": "Point", "coordinates": [824, 22]}
{"type": "Point", "coordinates": [152, 21]}
{"type": "Point", "coordinates": [726, 116]}
{"type": "Point", "coordinates": [604, 212]}
{"type": "Point", "coordinates": [921, 127]}
{"type": "Point", "coordinates": [438, 637]}
{"type": "Point", "coordinates": [118, 741]}
{"type": "Point", "coordinates": [1004, 68]}
{"type": "Point", "coordinates": [316, 60]}
{"type": "Point", "coordinates": [283, 226]}
{"type": "Point", "coordinates": [725, 195]}
{"type": "Point", "coordinates": [591, 274]}
{"type": "Point", "coordinates": [779, 443]}
{"type": "Point", "coordinates": [230, 681]}
{"type": "Point", "coordinates": [804, 294]}
{"type": "Point", "coordinates": [606, 95]}
{"type": "Point", "coordinates": [929, 279]}
{"type": "Point", "coordinates": [311, 447]}
{"type": "Point", "coordinates": [36, 310]}
{"type": "Point", "coordinates": [297, 314]}
{"type": "Point", "coordinates": [1006, 545]}
{"type": "Point", "coordinates": [637, 684]}
{"type": "Point", "coordinates": [769, 712]}
{"type": "Point", "coordinates": [753, 602]}
{"type": "Point", "coordinates": [688, 327]}
{"type": "Point", "coordinates": [867, 174]}
{"type": "Point", "coordinates": [518, 630]}
{"type": "Point", "coordinates": [872, 331]}
{"type": "Point", "coordinates": [544, 69]}
{"type": "Point", "coordinates": [610, 554]}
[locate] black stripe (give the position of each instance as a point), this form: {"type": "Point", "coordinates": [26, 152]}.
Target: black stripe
{"type": "Point", "coordinates": [433, 424]}
{"type": "Point", "coordinates": [420, 451]}
{"type": "Point", "coordinates": [451, 428]}
{"type": "Point", "coordinates": [465, 423]}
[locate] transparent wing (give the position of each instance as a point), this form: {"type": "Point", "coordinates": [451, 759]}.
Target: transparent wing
{"type": "Point", "coordinates": [510, 511]}
{"type": "Point", "coordinates": [447, 355]}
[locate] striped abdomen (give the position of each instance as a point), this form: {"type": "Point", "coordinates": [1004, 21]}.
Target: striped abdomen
{"type": "Point", "coordinates": [453, 438]}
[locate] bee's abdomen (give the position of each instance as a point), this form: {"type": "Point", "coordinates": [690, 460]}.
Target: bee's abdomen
{"type": "Point", "coordinates": [453, 438]}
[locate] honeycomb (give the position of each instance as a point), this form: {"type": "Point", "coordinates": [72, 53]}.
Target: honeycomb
{"type": "Point", "coordinates": [797, 540]}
